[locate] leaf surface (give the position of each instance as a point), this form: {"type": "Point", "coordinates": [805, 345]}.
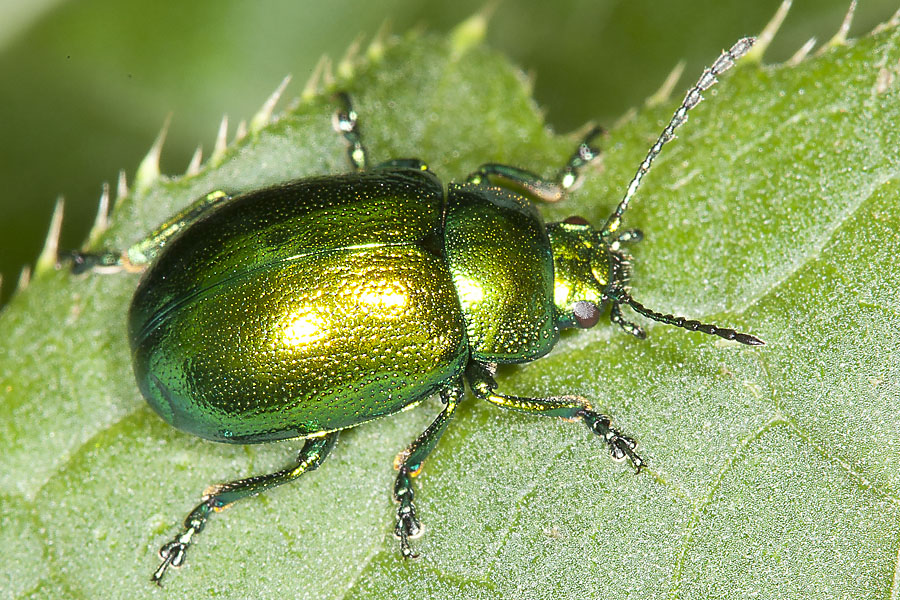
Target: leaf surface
{"type": "Point", "coordinates": [772, 471]}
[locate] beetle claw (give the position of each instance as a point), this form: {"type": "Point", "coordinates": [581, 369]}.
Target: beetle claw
{"type": "Point", "coordinates": [172, 555]}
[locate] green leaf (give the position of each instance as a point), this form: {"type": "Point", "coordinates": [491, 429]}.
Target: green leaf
{"type": "Point", "coordinates": [772, 471]}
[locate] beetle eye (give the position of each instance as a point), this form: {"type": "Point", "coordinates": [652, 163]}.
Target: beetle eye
{"type": "Point", "coordinates": [586, 314]}
{"type": "Point", "coordinates": [575, 220]}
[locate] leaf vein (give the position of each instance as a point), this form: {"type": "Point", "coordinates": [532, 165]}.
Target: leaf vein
{"type": "Point", "coordinates": [694, 521]}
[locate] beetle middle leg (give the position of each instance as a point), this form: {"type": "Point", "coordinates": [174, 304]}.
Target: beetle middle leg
{"type": "Point", "coordinates": [409, 463]}
{"type": "Point", "coordinates": [346, 122]}
{"type": "Point", "coordinates": [481, 380]}
{"type": "Point", "coordinates": [218, 497]}
{"type": "Point", "coordinates": [535, 185]}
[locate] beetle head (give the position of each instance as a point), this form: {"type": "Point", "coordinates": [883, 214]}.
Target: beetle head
{"type": "Point", "coordinates": [581, 272]}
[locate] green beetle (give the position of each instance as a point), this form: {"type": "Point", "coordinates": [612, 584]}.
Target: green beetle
{"type": "Point", "coordinates": [306, 308]}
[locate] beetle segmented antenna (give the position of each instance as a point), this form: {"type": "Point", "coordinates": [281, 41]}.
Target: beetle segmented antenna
{"type": "Point", "coordinates": [691, 99]}
{"type": "Point", "coordinates": [617, 293]}
{"type": "Point", "coordinates": [690, 324]}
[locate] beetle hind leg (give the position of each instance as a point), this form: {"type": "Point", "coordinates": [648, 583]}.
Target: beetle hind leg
{"type": "Point", "coordinates": [409, 463]}
{"type": "Point", "coordinates": [136, 258]}
{"type": "Point", "coordinates": [569, 407]}
{"type": "Point", "coordinates": [106, 261]}
{"type": "Point", "coordinates": [219, 497]}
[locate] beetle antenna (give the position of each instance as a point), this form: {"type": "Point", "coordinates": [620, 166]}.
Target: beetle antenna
{"type": "Point", "coordinates": [622, 297]}
{"type": "Point", "coordinates": [691, 99]}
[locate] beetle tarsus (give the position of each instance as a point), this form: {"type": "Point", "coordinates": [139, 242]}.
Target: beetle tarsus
{"type": "Point", "coordinates": [403, 532]}
{"type": "Point", "coordinates": [620, 446]}
{"type": "Point", "coordinates": [346, 122]}
{"type": "Point", "coordinates": [615, 315]}
{"type": "Point", "coordinates": [584, 153]}
{"type": "Point", "coordinates": [408, 526]}
{"type": "Point", "coordinates": [172, 555]}
{"type": "Point", "coordinates": [82, 262]}
{"type": "Point", "coordinates": [173, 552]}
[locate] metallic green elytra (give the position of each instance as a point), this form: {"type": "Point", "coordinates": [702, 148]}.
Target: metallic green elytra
{"type": "Point", "coordinates": [300, 310]}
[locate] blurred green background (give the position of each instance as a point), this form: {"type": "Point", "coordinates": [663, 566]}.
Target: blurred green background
{"type": "Point", "coordinates": [86, 85]}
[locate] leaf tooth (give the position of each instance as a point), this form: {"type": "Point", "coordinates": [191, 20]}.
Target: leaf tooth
{"type": "Point", "coordinates": [471, 31]}
{"type": "Point", "coordinates": [311, 87]}
{"type": "Point", "coordinates": [664, 93]}
{"type": "Point", "coordinates": [24, 279]}
{"type": "Point", "coordinates": [528, 79]}
{"type": "Point", "coordinates": [196, 160]}
{"type": "Point", "coordinates": [376, 47]}
{"type": "Point", "coordinates": [347, 65]}
{"type": "Point", "coordinates": [121, 186]}
{"type": "Point", "coordinates": [626, 117]}
{"type": "Point", "coordinates": [840, 37]}
{"type": "Point", "coordinates": [240, 131]}
{"type": "Point", "coordinates": [218, 152]}
{"type": "Point", "coordinates": [415, 32]}
{"type": "Point", "coordinates": [148, 170]}
{"type": "Point", "coordinates": [765, 37]}
{"type": "Point", "coordinates": [801, 52]}
{"type": "Point", "coordinates": [48, 257]}
{"type": "Point", "coordinates": [264, 115]}
{"type": "Point", "coordinates": [894, 21]}
{"type": "Point", "coordinates": [328, 78]}
{"type": "Point", "coordinates": [101, 221]}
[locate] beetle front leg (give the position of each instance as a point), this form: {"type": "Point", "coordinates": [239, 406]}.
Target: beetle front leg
{"type": "Point", "coordinates": [219, 497]}
{"type": "Point", "coordinates": [409, 464]}
{"type": "Point", "coordinates": [620, 277]}
{"type": "Point", "coordinates": [482, 382]}
{"type": "Point", "coordinates": [534, 185]}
